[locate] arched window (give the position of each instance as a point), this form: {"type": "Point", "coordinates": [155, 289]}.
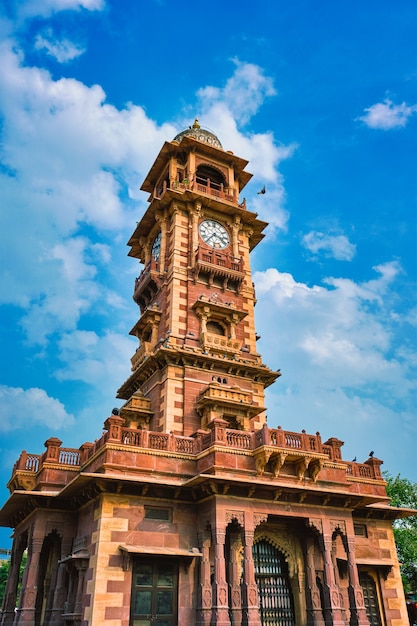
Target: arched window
{"type": "Point", "coordinates": [276, 604]}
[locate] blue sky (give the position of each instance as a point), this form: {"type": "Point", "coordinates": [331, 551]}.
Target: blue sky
{"type": "Point", "coordinates": [320, 97]}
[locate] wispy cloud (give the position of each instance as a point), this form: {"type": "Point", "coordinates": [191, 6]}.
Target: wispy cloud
{"type": "Point", "coordinates": [335, 246]}
{"type": "Point", "coordinates": [387, 115]}
{"type": "Point", "coordinates": [225, 109]}
{"type": "Point", "coordinates": [45, 8]}
{"type": "Point", "coordinates": [63, 50]}
{"type": "Point", "coordinates": [244, 92]}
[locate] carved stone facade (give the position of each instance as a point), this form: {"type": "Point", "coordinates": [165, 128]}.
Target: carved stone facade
{"type": "Point", "coordinates": [189, 510]}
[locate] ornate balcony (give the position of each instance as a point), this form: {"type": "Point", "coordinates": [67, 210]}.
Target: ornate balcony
{"type": "Point", "coordinates": [206, 187]}
{"type": "Point", "coordinates": [219, 343]}
{"type": "Point", "coordinates": [303, 454]}
{"type": "Point", "coordinates": [218, 263]}
{"type": "Point", "coordinates": [146, 349]}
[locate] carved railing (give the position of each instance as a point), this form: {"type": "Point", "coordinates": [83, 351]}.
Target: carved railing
{"type": "Point", "coordinates": [239, 439]}
{"type": "Point", "coordinates": [295, 441]}
{"type": "Point", "coordinates": [68, 456]}
{"type": "Point", "coordinates": [151, 266]}
{"type": "Point", "coordinates": [207, 187]}
{"type": "Point", "coordinates": [27, 462]}
{"type": "Point", "coordinates": [219, 259]}
{"type": "Point", "coordinates": [217, 435]}
{"type": "Point", "coordinates": [211, 341]}
{"type": "Point", "coordinates": [144, 350]}
{"type": "Point", "coordinates": [363, 470]}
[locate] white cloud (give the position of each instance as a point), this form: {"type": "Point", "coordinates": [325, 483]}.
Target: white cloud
{"type": "Point", "coordinates": [20, 408]}
{"type": "Point", "coordinates": [244, 92]}
{"type": "Point", "coordinates": [387, 115]}
{"type": "Point", "coordinates": [236, 103]}
{"type": "Point", "coordinates": [95, 360]}
{"type": "Point", "coordinates": [70, 157]}
{"type": "Point", "coordinates": [45, 8]}
{"type": "Point", "coordinates": [63, 50]}
{"type": "Point", "coordinates": [334, 246]}
{"type": "Point", "coordinates": [337, 345]}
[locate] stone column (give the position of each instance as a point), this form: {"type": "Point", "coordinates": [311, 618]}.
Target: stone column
{"type": "Point", "coordinates": [358, 615]}
{"type": "Point", "coordinates": [314, 609]}
{"type": "Point", "coordinates": [332, 608]}
{"type": "Point", "coordinates": [59, 597]}
{"type": "Point", "coordinates": [9, 602]}
{"type": "Point", "coordinates": [26, 611]}
{"type": "Point", "coordinates": [220, 614]}
{"type": "Point", "coordinates": [60, 592]}
{"type": "Point", "coordinates": [250, 599]}
{"type": "Point", "coordinates": [205, 590]}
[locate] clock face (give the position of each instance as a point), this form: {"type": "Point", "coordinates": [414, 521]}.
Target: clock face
{"type": "Point", "coordinates": [214, 234]}
{"type": "Point", "coordinates": [156, 247]}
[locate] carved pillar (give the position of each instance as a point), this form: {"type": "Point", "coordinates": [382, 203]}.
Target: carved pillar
{"type": "Point", "coordinates": [114, 425]}
{"type": "Point", "coordinates": [234, 578]}
{"type": "Point", "coordinates": [235, 226]}
{"type": "Point", "coordinates": [358, 615]}
{"type": "Point", "coordinates": [146, 250]}
{"type": "Point", "coordinates": [195, 216]}
{"type": "Point", "coordinates": [332, 608]}
{"type": "Point", "coordinates": [61, 586]}
{"type": "Point", "coordinates": [9, 603]}
{"type": "Point", "coordinates": [205, 590]}
{"type": "Point", "coordinates": [26, 611]}
{"type": "Point", "coordinates": [337, 582]}
{"type": "Point", "coordinates": [220, 614]}
{"type": "Point", "coordinates": [250, 600]}
{"type": "Point", "coordinates": [314, 609]}
{"type": "Point", "coordinates": [81, 566]}
{"type": "Point", "coordinates": [52, 446]}
{"type": "Point", "coordinates": [59, 597]}
{"type": "Point", "coordinates": [162, 220]}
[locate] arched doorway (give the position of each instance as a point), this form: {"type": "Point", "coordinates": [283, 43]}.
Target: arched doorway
{"type": "Point", "coordinates": [276, 603]}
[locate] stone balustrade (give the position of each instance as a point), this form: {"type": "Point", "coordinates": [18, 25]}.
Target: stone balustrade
{"type": "Point", "coordinates": [219, 258]}
{"type": "Point", "coordinates": [217, 435]}
{"type": "Point", "coordinates": [206, 187]}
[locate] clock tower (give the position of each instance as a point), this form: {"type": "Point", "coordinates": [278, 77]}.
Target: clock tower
{"type": "Point", "coordinates": [189, 509]}
{"type": "Point", "coordinates": [196, 359]}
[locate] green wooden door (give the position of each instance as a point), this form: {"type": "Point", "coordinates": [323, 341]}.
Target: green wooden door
{"type": "Point", "coordinates": [154, 593]}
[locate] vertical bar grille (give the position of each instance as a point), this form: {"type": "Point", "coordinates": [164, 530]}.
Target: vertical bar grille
{"type": "Point", "coordinates": [275, 596]}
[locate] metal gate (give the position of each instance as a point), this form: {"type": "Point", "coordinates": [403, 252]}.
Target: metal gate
{"type": "Point", "coordinates": [276, 605]}
{"type": "Point", "coordinates": [370, 597]}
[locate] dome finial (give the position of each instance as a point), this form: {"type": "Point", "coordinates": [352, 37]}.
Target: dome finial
{"type": "Point", "coordinates": [196, 124]}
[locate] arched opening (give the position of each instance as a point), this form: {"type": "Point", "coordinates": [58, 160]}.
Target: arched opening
{"type": "Point", "coordinates": [208, 176]}
{"type": "Point", "coordinates": [215, 328]}
{"type": "Point", "coordinates": [276, 602]}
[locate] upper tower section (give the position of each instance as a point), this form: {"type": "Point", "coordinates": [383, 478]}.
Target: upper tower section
{"type": "Point", "coordinates": [197, 359]}
{"type": "Point", "coordinates": [194, 165]}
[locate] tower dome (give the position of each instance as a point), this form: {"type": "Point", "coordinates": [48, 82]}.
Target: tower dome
{"type": "Point", "coordinates": [201, 134]}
